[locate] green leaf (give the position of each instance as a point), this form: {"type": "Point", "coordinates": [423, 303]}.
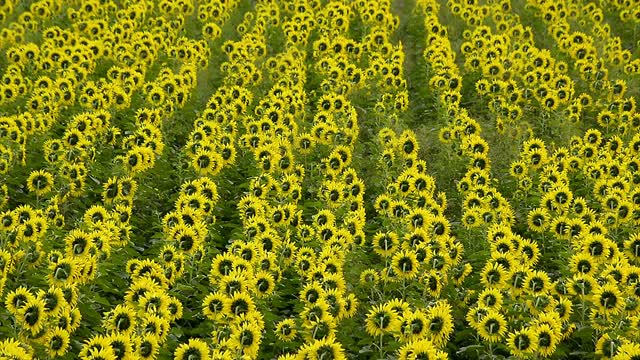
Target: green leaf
{"type": "Point", "coordinates": [464, 349]}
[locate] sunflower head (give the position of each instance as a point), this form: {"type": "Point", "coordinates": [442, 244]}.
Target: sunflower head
{"type": "Point", "coordinates": [522, 343]}
{"type": "Point", "coordinates": [196, 349]}
{"type": "Point", "coordinates": [381, 319]}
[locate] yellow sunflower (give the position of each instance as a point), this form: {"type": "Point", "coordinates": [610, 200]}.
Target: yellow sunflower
{"type": "Point", "coordinates": [381, 319]}
{"type": "Point", "coordinates": [194, 349]}
{"type": "Point", "coordinates": [40, 182]}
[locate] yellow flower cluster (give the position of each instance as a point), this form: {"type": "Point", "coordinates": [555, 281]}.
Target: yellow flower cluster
{"type": "Point", "coordinates": [308, 149]}
{"type": "Point", "coordinates": [510, 278]}
{"type": "Point", "coordinates": [66, 58]}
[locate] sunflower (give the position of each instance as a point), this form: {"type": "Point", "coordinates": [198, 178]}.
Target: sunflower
{"type": "Point", "coordinates": [320, 328]}
{"type": "Point", "coordinates": [95, 215]}
{"type": "Point", "coordinates": [214, 305]}
{"type": "Point", "coordinates": [582, 285]}
{"type": "Point", "coordinates": [240, 303]}
{"type": "Point", "coordinates": [335, 301]}
{"type": "Point", "coordinates": [472, 218]}
{"type": "Point", "coordinates": [195, 349]}
{"type": "Point", "coordinates": [147, 347]}
{"type": "Point", "coordinates": [187, 238]}
{"type": "Point", "coordinates": [562, 197]}
{"type": "Point", "coordinates": [155, 325]}
{"type": "Point", "coordinates": [628, 350]}
{"type": "Point", "coordinates": [624, 213]}
{"type": "Point", "coordinates": [420, 349]}
{"type": "Point", "coordinates": [460, 273]}
{"type": "Point", "coordinates": [17, 299]}
{"type": "Point", "coordinates": [518, 169]}
{"type": "Point", "coordinates": [350, 306]}
{"type": "Point", "coordinates": [264, 283]}
{"type": "Point", "coordinates": [525, 183]}
{"type": "Point", "coordinates": [384, 244]}
{"type": "Point", "coordinates": [333, 194]}
{"type": "Point", "coordinates": [598, 247]}
{"type": "Point", "coordinates": [40, 182]}
{"type": "Point", "coordinates": [413, 326]}
{"type": "Point", "coordinates": [439, 323]}
{"type": "Point", "coordinates": [110, 190]}
{"type": "Point", "coordinates": [33, 254]}
{"type": "Point", "coordinates": [305, 262]}
{"type": "Point", "coordinates": [57, 341]}
{"type": "Point", "coordinates": [560, 227]}
{"type": "Point", "coordinates": [139, 287]}
{"type": "Point", "coordinates": [155, 95]}
{"type": "Point", "coordinates": [222, 266]}
{"type": "Point", "coordinates": [606, 346]}
{"type": "Point", "coordinates": [537, 282]}
{"type": "Point", "coordinates": [65, 320]}
{"type": "Point", "coordinates": [53, 299]}
{"type": "Point", "coordinates": [154, 302]}
{"type": "Point", "coordinates": [408, 143]}
{"type": "Point", "coordinates": [101, 352]}
{"type": "Point", "coordinates": [369, 277]}
{"type": "Point", "coordinates": [64, 272]}
{"type": "Point", "coordinates": [608, 298]}
{"type": "Point", "coordinates": [381, 319]}
{"type": "Point", "coordinates": [583, 263]}
{"type": "Point", "coordinates": [632, 247]}
{"type": "Point", "coordinates": [509, 246]}
{"type": "Point", "coordinates": [74, 317]}
{"type": "Point", "coordinates": [126, 191]}
{"type": "Point", "coordinates": [418, 218]}
{"type": "Point", "coordinates": [245, 338]}
{"type": "Point", "coordinates": [121, 345]}
{"type": "Point", "coordinates": [535, 158]}
{"type": "Point", "coordinates": [595, 227]}
{"type": "Point", "coordinates": [6, 262]}
{"type": "Point", "coordinates": [174, 308]}
{"type": "Point", "coordinates": [540, 303]}
{"type": "Point", "coordinates": [312, 292]}
{"type": "Point", "coordinates": [493, 275]}
{"type": "Point", "coordinates": [445, 135]}
{"type": "Point", "coordinates": [577, 228]}
{"type": "Point", "coordinates": [78, 243]}
{"type": "Point", "coordinates": [315, 311]}
{"type": "Point", "coordinates": [8, 220]}
{"type": "Point", "coordinates": [121, 319]}
{"type": "Point", "coordinates": [432, 282]}
{"type": "Point", "coordinates": [286, 330]}
{"type": "Point", "coordinates": [405, 264]}
{"type": "Point", "coordinates": [399, 208]}
{"type": "Point", "coordinates": [563, 307]}
{"type": "Point", "coordinates": [492, 326]}
{"type": "Point", "coordinates": [522, 343]}
{"type": "Point", "coordinates": [305, 143]}
{"type": "Point", "coordinates": [383, 203]}
{"type": "Point", "coordinates": [551, 101]}
{"type": "Point", "coordinates": [490, 298]}
{"type": "Point", "coordinates": [548, 339]}
{"type": "Point", "coordinates": [32, 315]}
{"type": "Point", "coordinates": [211, 31]}
{"type": "Point", "coordinates": [326, 348]}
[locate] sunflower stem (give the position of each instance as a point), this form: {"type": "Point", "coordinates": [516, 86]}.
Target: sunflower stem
{"type": "Point", "coordinates": [404, 288]}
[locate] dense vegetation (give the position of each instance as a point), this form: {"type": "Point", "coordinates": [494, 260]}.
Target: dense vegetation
{"type": "Point", "coordinates": [319, 179]}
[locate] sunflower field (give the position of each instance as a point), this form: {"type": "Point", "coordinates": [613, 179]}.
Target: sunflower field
{"type": "Point", "coordinates": [319, 179]}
